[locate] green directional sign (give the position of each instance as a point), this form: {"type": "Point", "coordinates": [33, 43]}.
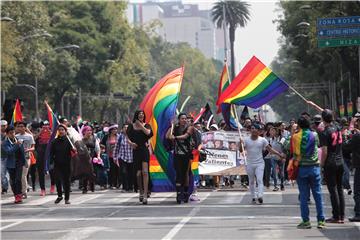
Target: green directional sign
{"type": "Point", "coordinates": [338, 42]}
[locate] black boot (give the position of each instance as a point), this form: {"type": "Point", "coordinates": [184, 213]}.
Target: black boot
{"type": "Point", "coordinates": [178, 195]}
{"type": "Point", "coordinates": [186, 195]}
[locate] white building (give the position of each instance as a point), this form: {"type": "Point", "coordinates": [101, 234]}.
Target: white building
{"type": "Point", "coordinates": [181, 23]}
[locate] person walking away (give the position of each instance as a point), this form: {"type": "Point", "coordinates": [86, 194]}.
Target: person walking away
{"type": "Point", "coordinates": [139, 134]}
{"type": "Point", "coordinates": [333, 163]}
{"type": "Point", "coordinates": [4, 172]}
{"type": "Point", "coordinates": [254, 145]}
{"type": "Point", "coordinates": [60, 158]}
{"type": "Point", "coordinates": [355, 148]}
{"type": "Point", "coordinates": [304, 147]}
{"type": "Point", "coordinates": [28, 142]}
{"type": "Point", "coordinates": [15, 161]}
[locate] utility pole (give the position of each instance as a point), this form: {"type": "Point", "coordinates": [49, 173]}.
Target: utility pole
{"type": "Point", "coordinates": [80, 107]}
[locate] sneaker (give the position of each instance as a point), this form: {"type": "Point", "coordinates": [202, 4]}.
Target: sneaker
{"type": "Point", "coordinates": [282, 188]}
{"type": "Point", "coordinates": [253, 201]}
{"type": "Point", "coordinates": [42, 193]}
{"type": "Point", "coordinates": [178, 197]}
{"type": "Point", "coordinates": [276, 189]}
{"type": "Point", "coordinates": [260, 200]}
{"type": "Point", "coordinates": [304, 225]}
{"type": "Point", "coordinates": [321, 224]}
{"type": "Point", "coordinates": [58, 200]}
{"type": "Point", "coordinates": [349, 192]}
{"type": "Point", "coordinates": [145, 201]}
{"type": "Point", "coordinates": [52, 189]}
{"type": "Point", "coordinates": [141, 198]}
{"type": "Point", "coordinates": [355, 219]}
{"type": "Point", "coordinates": [18, 199]}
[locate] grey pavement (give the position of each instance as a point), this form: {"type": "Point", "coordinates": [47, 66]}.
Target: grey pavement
{"type": "Point", "coordinates": [221, 214]}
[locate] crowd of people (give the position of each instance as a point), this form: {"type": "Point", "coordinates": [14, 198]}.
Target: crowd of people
{"type": "Point", "coordinates": [313, 150]}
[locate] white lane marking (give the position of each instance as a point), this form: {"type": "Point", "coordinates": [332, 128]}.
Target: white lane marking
{"type": "Point", "coordinates": [84, 198]}
{"type": "Point", "coordinates": [81, 233]}
{"type": "Point", "coordinates": [11, 225]}
{"type": "Point", "coordinates": [231, 198]}
{"type": "Point", "coordinates": [40, 201]}
{"type": "Point", "coordinates": [190, 205]}
{"type": "Point", "coordinates": [160, 197]}
{"type": "Point", "coordinates": [183, 221]}
{"type": "Point", "coordinates": [119, 200]}
{"type": "Point", "coordinates": [154, 218]}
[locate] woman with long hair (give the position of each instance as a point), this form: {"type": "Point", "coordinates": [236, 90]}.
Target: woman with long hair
{"type": "Point", "coordinates": [139, 134]}
{"type": "Point", "coordinates": [109, 141]}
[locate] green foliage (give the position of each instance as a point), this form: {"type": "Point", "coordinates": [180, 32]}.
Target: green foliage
{"type": "Point", "coordinates": [115, 66]}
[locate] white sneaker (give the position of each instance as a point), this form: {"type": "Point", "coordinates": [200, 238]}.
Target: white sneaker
{"type": "Point", "coordinates": [203, 183]}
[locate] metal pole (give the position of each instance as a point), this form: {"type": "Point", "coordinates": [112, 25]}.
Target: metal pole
{"type": "Point", "coordinates": [80, 107]}
{"type": "Point", "coordinates": [37, 100]}
{"type": "Point", "coordinates": [62, 106]}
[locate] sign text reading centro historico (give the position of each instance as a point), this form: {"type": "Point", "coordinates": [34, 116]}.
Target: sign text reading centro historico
{"type": "Point", "coordinates": [338, 32]}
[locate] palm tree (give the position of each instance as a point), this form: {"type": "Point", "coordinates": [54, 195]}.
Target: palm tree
{"type": "Point", "coordinates": [235, 14]}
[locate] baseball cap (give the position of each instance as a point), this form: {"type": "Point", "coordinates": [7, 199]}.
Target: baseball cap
{"type": "Point", "coordinates": [4, 122]}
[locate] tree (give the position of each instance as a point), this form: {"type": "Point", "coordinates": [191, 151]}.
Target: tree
{"type": "Point", "coordinates": [236, 15]}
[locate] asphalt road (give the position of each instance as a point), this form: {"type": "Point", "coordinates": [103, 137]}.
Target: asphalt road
{"type": "Point", "coordinates": [222, 214]}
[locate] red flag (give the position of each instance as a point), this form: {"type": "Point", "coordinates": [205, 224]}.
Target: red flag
{"type": "Point", "coordinates": [17, 115]}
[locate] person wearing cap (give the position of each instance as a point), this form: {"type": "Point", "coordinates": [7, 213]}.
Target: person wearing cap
{"type": "Point", "coordinates": [109, 141]}
{"type": "Point", "coordinates": [60, 159]}
{"type": "Point", "coordinates": [41, 143]}
{"type": "Point", "coordinates": [29, 146]}
{"type": "Point", "coordinates": [254, 145]}
{"type": "Point", "coordinates": [181, 137]}
{"type": "Point", "coordinates": [4, 173]}
{"type": "Point", "coordinates": [333, 163]}
{"type": "Point", "coordinates": [13, 150]}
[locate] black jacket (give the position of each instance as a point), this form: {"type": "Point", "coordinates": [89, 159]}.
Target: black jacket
{"type": "Point", "coordinates": [60, 152]}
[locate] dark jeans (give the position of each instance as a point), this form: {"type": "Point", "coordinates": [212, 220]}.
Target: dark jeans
{"type": "Point", "coordinates": [127, 172]}
{"type": "Point", "coordinates": [15, 179]}
{"type": "Point", "coordinates": [267, 172]}
{"type": "Point", "coordinates": [181, 164]}
{"type": "Point", "coordinates": [32, 174]}
{"type": "Point", "coordinates": [281, 165]}
{"type": "Point", "coordinates": [115, 180]}
{"type": "Point", "coordinates": [62, 177]}
{"type": "Point", "coordinates": [40, 165]}
{"type": "Point", "coordinates": [357, 191]}
{"type": "Point", "coordinates": [346, 176]}
{"type": "Point", "coordinates": [333, 176]}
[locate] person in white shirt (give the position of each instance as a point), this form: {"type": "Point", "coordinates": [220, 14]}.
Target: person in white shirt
{"type": "Point", "coordinates": [28, 142]}
{"type": "Point", "coordinates": [254, 146]}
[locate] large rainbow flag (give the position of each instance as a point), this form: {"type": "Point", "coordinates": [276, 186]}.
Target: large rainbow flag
{"type": "Point", "coordinates": [254, 86]}
{"type": "Point", "coordinates": [17, 115]}
{"type": "Point", "coordinates": [159, 106]}
{"type": "Point", "coordinates": [227, 110]}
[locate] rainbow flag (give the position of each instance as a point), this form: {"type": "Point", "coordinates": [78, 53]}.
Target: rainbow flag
{"type": "Point", "coordinates": [254, 86]}
{"type": "Point", "coordinates": [342, 110]}
{"type": "Point", "coordinates": [350, 109]}
{"type": "Point", "coordinates": [159, 106]}
{"type": "Point", "coordinates": [195, 163]}
{"type": "Point", "coordinates": [17, 115]}
{"type": "Point", "coordinates": [227, 110]}
{"type": "Point", "coordinates": [303, 144]}
{"type": "Point", "coordinates": [54, 123]}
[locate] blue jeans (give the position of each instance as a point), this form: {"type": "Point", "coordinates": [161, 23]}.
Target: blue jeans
{"type": "Point", "coordinates": [274, 163]}
{"type": "Point", "coordinates": [310, 178]}
{"type": "Point", "coordinates": [4, 175]}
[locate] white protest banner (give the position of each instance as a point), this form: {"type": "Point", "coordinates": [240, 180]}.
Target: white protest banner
{"type": "Point", "coordinates": [225, 157]}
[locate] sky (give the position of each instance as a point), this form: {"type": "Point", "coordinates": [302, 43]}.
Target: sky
{"type": "Point", "coordinates": [259, 37]}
